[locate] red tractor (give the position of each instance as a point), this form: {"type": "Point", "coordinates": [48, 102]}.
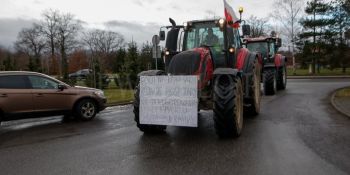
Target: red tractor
{"type": "Point", "coordinates": [228, 74]}
{"type": "Point", "coordinates": [274, 65]}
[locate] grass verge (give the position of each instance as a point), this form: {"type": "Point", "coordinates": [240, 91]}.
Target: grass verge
{"type": "Point", "coordinates": [323, 72]}
{"type": "Point", "coordinates": [118, 95]}
{"type": "Point", "coordinates": [343, 92]}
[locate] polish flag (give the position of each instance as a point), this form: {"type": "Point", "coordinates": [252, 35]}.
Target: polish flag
{"type": "Point", "coordinates": [230, 15]}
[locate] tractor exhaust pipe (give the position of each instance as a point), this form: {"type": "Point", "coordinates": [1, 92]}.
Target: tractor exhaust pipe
{"type": "Point", "coordinates": [173, 23]}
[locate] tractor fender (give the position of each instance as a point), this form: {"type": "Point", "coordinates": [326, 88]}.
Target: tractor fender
{"type": "Point", "coordinates": [280, 60]}
{"type": "Point", "coordinates": [245, 60]}
{"type": "Point", "coordinates": [249, 63]}
{"type": "Point", "coordinates": [241, 58]}
{"type": "Point", "coordinates": [151, 73]}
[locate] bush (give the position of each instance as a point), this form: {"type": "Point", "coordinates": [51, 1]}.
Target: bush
{"type": "Point", "coordinates": [125, 81]}
{"type": "Point", "coordinates": [102, 81]}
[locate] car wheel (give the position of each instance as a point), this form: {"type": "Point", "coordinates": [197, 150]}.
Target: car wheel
{"type": "Point", "coordinates": [86, 110]}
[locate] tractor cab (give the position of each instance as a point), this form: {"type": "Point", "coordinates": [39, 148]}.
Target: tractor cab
{"type": "Point", "coordinates": [267, 47]}
{"type": "Point", "coordinates": [221, 39]}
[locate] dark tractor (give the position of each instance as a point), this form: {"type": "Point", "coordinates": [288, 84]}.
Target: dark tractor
{"type": "Point", "coordinates": [228, 74]}
{"type": "Point", "coordinates": [274, 65]}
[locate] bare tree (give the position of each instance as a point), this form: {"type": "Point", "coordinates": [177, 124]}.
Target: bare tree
{"type": "Point", "coordinates": [49, 30]}
{"type": "Point", "coordinates": [67, 31]}
{"type": "Point", "coordinates": [31, 42]}
{"type": "Point", "coordinates": [288, 13]}
{"type": "Point", "coordinates": [258, 26]}
{"type": "Point", "coordinates": [102, 44]}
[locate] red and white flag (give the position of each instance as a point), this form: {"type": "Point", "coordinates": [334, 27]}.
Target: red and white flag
{"type": "Point", "coordinates": [230, 15]}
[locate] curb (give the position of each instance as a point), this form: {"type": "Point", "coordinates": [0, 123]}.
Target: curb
{"type": "Point", "coordinates": [318, 77]}
{"type": "Point", "coordinates": [335, 106]}
{"type": "Point", "coordinates": [120, 103]}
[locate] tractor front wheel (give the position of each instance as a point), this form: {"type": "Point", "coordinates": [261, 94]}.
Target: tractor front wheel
{"type": "Point", "coordinates": [228, 106]}
{"type": "Point", "coordinates": [270, 82]}
{"type": "Point", "coordinates": [143, 127]}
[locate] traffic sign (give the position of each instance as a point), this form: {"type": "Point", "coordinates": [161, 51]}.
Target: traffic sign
{"type": "Point", "coordinates": [155, 40]}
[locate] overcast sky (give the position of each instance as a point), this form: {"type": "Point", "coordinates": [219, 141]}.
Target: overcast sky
{"type": "Point", "coordinates": [139, 19]}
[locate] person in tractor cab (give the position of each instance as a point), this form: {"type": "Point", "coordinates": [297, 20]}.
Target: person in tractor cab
{"type": "Point", "coordinates": [211, 39]}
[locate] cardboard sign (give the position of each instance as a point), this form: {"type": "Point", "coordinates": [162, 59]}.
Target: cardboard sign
{"type": "Point", "coordinates": [169, 100]}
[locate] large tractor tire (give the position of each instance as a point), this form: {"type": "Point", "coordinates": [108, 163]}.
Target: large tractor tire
{"type": "Point", "coordinates": [282, 78]}
{"type": "Point", "coordinates": [144, 128]}
{"type": "Point", "coordinates": [270, 82]}
{"type": "Point", "coordinates": [228, 106]}
{"type": "Point", "coordinates": [255, 89]}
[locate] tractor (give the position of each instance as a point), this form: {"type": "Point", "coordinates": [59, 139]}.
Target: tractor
{"type": "Point", "coordinates": [274, 69]}
{"type": "Point", "coordinates": [228, 74]}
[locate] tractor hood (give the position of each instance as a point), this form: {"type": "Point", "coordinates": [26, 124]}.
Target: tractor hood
{"type": "Point", "coordinates": [185, 63]}
{"type": "Point", "coordinates": [197, 61]}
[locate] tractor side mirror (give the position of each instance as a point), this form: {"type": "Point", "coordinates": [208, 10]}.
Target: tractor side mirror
{"type": "Point", "coordinates": [278, 42]}
{"type": "Point", "coordinates": [246, 29]}
{"type": "Point", "coordinates": [162, 35]}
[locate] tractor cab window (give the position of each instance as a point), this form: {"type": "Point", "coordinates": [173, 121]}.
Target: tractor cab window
{"type": "Point", "coordinates": [261, 47]}
{"type": "Point", "coordinates": [272, 49]}
{"type": "Point", "coordinates": [237, 38]}
{"type": "Point", "coordinates": [206, 34]}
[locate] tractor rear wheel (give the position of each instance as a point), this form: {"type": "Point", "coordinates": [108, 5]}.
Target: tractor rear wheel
{"type": "Point", "coordinates": [255, 87]}
{"type": "Point", "coordinates": [228, 106]}
{"type": "Point", "coordinates": [270, 82]}
{"type": "Point", "coordinates": [143, 127]}
{"type": "Point", "coordinates": [282, 78]}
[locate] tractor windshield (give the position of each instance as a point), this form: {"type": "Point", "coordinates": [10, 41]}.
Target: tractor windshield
{"type": "Point", "coordinates": [206, 34]}
{"type": "Point", "coordinates": [261, 47]}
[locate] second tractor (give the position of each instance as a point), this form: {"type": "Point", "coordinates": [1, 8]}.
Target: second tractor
{"type": "Point", "coordinates": [274, 65]}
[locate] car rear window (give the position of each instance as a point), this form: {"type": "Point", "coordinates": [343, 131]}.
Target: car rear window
{"type": "Point", "coordinates": [13, 82]}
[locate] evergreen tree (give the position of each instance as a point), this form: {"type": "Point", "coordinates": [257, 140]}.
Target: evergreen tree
{"type": "Point", "coordinates": [146, 60]}
{"type": "Point", "coordinates": [341, 19]}
{"type": "Point", "coordinates": [119, 60]}
{"type": "Point", "coordinates": [315, 29]}
{"type": "Point", "coordinates": [8, 63]}
{"type": "Point", "coordinates": [131, 64]}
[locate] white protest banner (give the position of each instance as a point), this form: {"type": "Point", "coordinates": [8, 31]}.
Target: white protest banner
{"type": "Point", "coordinates": [169, 100]}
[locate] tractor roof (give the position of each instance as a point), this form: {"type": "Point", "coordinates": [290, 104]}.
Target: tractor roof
{"type": "Point", "coordinates": [259, 39]}
{"type": "Point", "coordinates": [204, 20]}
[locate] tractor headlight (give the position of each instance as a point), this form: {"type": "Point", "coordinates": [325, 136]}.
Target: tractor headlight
{"type": "Point", "coordinates": [221, 23]}
{"type": "Point", "coordinates": [185, 25]}
{"type": "Point", "coordinates": [99, 93]}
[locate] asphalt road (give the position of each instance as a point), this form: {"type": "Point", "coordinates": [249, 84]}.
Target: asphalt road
{"type": "Point", "coordinates": [297, 132]}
